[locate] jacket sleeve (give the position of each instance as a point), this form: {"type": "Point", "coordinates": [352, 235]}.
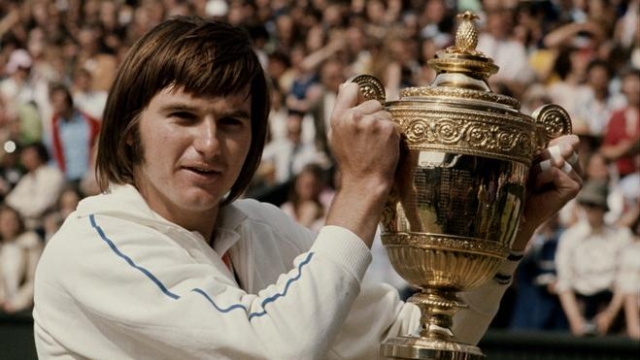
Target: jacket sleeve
{"type": "Point", "coordinates": [378, 314]}
{"type": "Point", "coordinates": [157, 298]}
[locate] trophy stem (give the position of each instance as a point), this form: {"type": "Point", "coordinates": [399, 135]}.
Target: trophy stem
{"type": "Point", "coordinates": [436, 340]}
{"type": "Point", "coordinates": [437, 307]}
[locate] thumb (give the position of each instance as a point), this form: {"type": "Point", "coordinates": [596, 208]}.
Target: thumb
{"type": "Point", "coordinates": [348, 96]}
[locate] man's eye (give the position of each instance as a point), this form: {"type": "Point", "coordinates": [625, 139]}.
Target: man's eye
{"type": "Point", "coordinates": [183, 115]}
{"type": "Point", "coordinates": [231, 121]}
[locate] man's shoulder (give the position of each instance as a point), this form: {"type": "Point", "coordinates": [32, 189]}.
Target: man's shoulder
{"type": "Point", "coordinates": [264, 221]}
{"type": "Point", "coordinates": [255, 210]}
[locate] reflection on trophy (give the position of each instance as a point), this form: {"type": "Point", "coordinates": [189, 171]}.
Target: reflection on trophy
{"type": "Point", "coordinates": [460, 188]}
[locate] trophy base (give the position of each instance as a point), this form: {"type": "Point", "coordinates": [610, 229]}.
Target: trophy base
{"type": "Point", "coordinates": [411, 347]}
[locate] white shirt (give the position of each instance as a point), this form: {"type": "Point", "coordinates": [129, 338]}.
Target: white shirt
{"type": "Point", "coordinates": [628, 280]}
{"type": "Point", "coordinates": [289, 158]}
{"type": "Point", "coordinates": [18, 259]}
{"type": "Point", "coordinates": [119, 282]}
{"type": "Point", "coordinates": [91, 102]}
{"type": "Point", "coordinates": [586, 260]}
{"type": "Point", "coordinates": [510, 55]}
{"type": "Point", "coordinates": [36, 192]}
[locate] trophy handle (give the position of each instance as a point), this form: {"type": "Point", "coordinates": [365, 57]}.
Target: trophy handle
{"type": "Point", "coordinates": [371, 88]}
{"type": "Point", "coordinates": [552, 121]}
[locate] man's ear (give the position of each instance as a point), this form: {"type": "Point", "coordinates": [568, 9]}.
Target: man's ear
{"type": "Point", "coordinates": [129, 139]}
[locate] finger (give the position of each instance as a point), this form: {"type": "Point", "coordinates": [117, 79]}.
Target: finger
{"type": "Point", "coordinates": [559, 152]}
{"type": "Point", "coordinates": [563, 176]}
{"type": "Point", "coordinates": [347, 98]}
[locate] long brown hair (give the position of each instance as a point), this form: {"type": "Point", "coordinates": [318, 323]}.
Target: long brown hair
{"type": "Point", "coordinates": [204, 58]}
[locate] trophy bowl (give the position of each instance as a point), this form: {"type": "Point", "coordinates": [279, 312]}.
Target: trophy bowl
{"type": "Point", "coordinates": [460, 187]}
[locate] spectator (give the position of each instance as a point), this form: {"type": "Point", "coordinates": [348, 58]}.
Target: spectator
{"type": "Point", "coordinates": [537, 306]}
{"type": "Point", "coordinates": [87, 100]}
{"type": "Point", "coordinates": [626, 295]}
{"type": "Point", "coordinates": [289, 155]}
{"type": "Point", "coordinates": [66, 204]}
{"type": "Point", "coordinates": [593, 106]}
{"type": "Point", "coordinates": [10, 169]}
{"type": "Point", "coordinates": [74, 134]}
{"type": "Point", "coordinates": [332, 74]}
{"type": "Point", "coordinates": [587, 260]}
{"type": "Point", "coordinates": [98, 62]}
{"type": "Point", "coordinates": [622, 137]}
{"type": "Point", "coordinates": [498, 43]}
{"type": "Point", "coordinates": [17, 87]}
{"type": "Point", "coordinates": [597, 168]}
{"type": "Point", "coordinates": [20, 251]}
{"type": "Point", "coordinates": [305, 205]}
{"type": "Point", "coordinates": [39, 187]}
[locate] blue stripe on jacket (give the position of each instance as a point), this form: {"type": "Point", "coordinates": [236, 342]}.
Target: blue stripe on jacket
{"type": "Point", "coordinates": [175, 296]}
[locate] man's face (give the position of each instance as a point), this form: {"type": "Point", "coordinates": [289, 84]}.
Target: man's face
{"type": "Point", "coordinates": [193, 151]}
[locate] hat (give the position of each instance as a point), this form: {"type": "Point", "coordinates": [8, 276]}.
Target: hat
{"type": "Point", "coordinates": [216, 8]}
{"type": "Point", "coordinates": [594, 192]}
{"type": "Point", "coordinates": [19, 58]}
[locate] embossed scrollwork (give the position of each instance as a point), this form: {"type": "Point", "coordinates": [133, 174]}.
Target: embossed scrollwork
{"type": "Point", "coordinates": [370, 87]}
{"type": "Point", "coordinates": [479, 136]}
{"type": "Point", "coordinates": [552, 121]}
{"type": "Point", "coordinates": [419, 130]}
{"type": "Point", "coordinates": [449, 131]}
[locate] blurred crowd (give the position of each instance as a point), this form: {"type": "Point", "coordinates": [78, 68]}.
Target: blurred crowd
{"type": "Point", "coordinates": [582, 270]}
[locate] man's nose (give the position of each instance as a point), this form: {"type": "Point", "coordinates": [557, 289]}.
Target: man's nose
{"type": "Point", "coordinates": [206, 141]}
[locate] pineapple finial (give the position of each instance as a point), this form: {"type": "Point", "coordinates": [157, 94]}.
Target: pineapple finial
{"type": "Point", "coordinates": [467, 35]}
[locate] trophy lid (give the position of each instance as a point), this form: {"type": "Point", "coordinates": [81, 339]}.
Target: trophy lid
{"type": "Point", "coordinates": [462, 71]}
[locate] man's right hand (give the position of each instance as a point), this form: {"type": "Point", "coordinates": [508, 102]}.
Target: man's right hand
{"type": "Point", "coordinates": [365, 144]}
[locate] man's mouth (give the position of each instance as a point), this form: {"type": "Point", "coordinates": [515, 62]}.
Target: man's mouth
{"type": "Point", "coordinates": [202, 170]}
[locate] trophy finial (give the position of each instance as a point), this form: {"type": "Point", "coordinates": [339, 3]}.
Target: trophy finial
{"type": "Point", "coordinates": [462, 57]}
{"type": "Point", "coordinates": [467, 35]}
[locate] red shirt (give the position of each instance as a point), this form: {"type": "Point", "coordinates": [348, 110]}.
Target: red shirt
{"type": "Point", "coordinates": [617, 131]}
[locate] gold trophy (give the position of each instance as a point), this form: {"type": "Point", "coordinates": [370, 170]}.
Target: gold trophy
{"type": "Point", "coordinates": [460, 187]}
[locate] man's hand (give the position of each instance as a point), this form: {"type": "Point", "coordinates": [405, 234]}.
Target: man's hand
{"type": "Point", "coordinates": [555, 178]}
{"type": "Point", "coordinates": [365, 144]}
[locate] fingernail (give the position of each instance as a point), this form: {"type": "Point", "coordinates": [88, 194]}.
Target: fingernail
{"type": "Point", "coordinates": [555, 152]}
{"type": "Point", "coordinates": [545, 165]}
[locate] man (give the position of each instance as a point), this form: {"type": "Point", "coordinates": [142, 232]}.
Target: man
{"type": "Point", "coordinates": [289, 155]}
{"type": "Point", "coordinates": [166, 265]}
{"type": "Point", "coordinates": [38, 189]}
{"type": "Point", "coordinates": [587, 261]}
{"type": "Point", "coordinates": [73, 135]}
{"type": "Point", "coordinates": [621, 141]}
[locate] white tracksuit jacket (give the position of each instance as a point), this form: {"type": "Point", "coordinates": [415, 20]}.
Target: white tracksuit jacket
{"type": "Point", "coordinates": [119, 282]}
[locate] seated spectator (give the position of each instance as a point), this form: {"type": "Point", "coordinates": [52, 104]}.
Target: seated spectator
{"type": "Point", "coordinates": [621, 141]}
{"type": "Point", "coordinates": [587, 261]}
{"type": "Point", "coordinates": [498, 42]}
{"type": "Point", "coordinates": [20, 251]}
{"type": "Point", "coordinates": [597, 168]}
{"type": "Point", "coordinates": [304, 204]}
{"type": "Point", "coordinates": [66, 204]}
{"type": "Point", "coordinates": [626, 295]}
{"type": "Point", "coordinates": [17, 87]}
{"type": "Point", "coordinates": [87, 100]}
{"type": "Point", "coordinates": [289, 155]}
{"type": "Point", "coordinates": [593, 102]}
{"type": "Point", "coordinates": [537, 306]}
{"type": "Point", "coordinates": [74, 134]}
{"type": "Point", "coordinates": [39, 187]}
